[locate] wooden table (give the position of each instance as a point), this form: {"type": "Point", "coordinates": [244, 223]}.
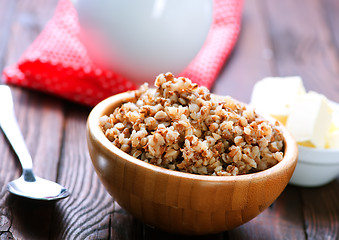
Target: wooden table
{"type": "Point", "coordinates": [277, 38]}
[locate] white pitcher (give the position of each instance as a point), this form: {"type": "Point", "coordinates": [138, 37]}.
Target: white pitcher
{"type": "Point", "coordinates": [141, 38]}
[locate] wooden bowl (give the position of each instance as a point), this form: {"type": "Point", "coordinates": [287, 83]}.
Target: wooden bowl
{"type": "Point", "coordinates": [179, 202]}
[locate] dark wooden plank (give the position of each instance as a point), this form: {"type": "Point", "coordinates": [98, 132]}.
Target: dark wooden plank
{"type": "Point", "coordinates": [330, 9]}
{"type": "Point", "coordinates": [154, 234]}
{"type": "Point", "coordinates": [7, 8]}
{"type": "Point", "coordinates": [321, 208]}
{"type": "Point", "coordinates": [40, 116]}
{"type": "Point", "coordinates": [303, 45]}
{"type": "Point", "coordinates": [40, 119]}
{"type": "Point", "coordinates": [124, 226]}
{"type": "Point", "coordinates": [28, 219]}
{"type": "Point", "coordinates": [282, 220]}
{"type": "Point", "coordinates": [6, 156]}
{"type": "Point", "coordinates": [87, 212]}
{"type": "Point", "coordinates": [251, 59]}
{"type": "Point", "coordinates": [29, 19]}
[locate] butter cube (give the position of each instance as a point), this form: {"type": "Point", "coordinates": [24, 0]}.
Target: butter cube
{"type": "Point", "coordinates": [333, 140]}
{"type": "Point", "coordinates": [333, 135]}
{"type": "Point", "coordinates": [334, 127]}
{"type": "Point", "coordinates": [310, 119]}
{"type": "Point", "coordinates": [274, 96]}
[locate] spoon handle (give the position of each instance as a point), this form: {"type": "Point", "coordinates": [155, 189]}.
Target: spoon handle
{"type": "Point", "coordinates": [11, 128]}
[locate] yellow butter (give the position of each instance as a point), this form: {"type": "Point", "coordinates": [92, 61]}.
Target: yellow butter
{"type": "Point", "coordinates": [307, 144]}
{"type": "Point", "coordinates": [333, 140]}
{"type": "Point", "coordinates": [310, 119]}
{"type": "Point", "coordinates": [274, 95]}
{"type": "Point", "coordinates": [334, 127]}
{"type": "Point", "coordinates": [333, 135]}
{"type": "Point", "coordinates": [335, 118]}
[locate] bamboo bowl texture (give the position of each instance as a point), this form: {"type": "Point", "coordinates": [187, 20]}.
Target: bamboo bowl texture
{"type": "Point", "coordinates": [179, 202]}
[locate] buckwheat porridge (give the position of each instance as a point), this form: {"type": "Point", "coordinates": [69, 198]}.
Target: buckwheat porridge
{"type": "Point", "coordinates": [181, 126]}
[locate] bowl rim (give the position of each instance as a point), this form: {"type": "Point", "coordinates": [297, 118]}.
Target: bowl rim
{"type": "Point", "coordinates": [310, 156]}
{"type": "Point", "coordinates": [93, 128]}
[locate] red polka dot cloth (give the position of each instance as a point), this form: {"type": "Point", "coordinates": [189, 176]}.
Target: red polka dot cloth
{"type": "Point", "coordinates": [58, 63]}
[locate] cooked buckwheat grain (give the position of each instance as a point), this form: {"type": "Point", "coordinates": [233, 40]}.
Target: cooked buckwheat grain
{"type": "Point", "coordinates": [181, 126]}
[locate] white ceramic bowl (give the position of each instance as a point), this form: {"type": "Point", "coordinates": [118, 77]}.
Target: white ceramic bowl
{"type": "Point", "coordinates": [317, 167]}
{"type": "Point", "coordinates": [140, 39]}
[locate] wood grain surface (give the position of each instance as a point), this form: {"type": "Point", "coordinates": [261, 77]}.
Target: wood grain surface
{"type": "Point", "coordinates": [277, 38]}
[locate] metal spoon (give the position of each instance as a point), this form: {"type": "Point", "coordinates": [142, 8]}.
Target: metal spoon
{"type": "Point", "coordinates": [28, 185]}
